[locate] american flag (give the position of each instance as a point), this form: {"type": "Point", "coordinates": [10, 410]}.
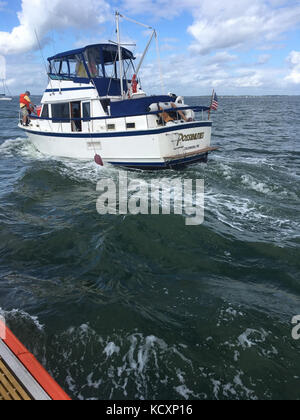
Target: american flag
{"type": "Point", "coordinates": [214, 102]}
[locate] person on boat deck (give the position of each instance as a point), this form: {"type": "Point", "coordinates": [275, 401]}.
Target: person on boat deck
{"type": "Point", "coordinates": [26, 106]}
{"type": "Point", "coordinates": [77, 123]}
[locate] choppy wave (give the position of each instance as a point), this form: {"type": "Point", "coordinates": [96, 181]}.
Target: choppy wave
{"type": "Point", "coordinates": [18, 315]}
{"type": "Point", "coordinates": [140, 367]}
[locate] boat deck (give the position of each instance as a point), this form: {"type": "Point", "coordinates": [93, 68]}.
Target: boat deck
{"type": "Point", "coordinates": [10, 387]}
{"type": "Point", "coordinates": [21, 375]}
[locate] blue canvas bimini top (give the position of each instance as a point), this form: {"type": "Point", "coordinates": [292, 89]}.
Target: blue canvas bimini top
{"type": "Point", "coordinates": [96, 62]}
{"type": "Point", "coordinates": [109, 53]}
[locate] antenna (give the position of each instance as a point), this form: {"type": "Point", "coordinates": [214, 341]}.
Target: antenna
{"type": "Point", "coordinates": [120, 51]}
{"type": "Point", "coordinates": [43, 58]}
{"type": "Point", "coordinates": [159, 63]}
{"type": "Point", "coordinates": [145, 52]}
{"type": "Point", "coordinates": [153, 34]}
{"type": "Point", "coordinates": [6, 88]}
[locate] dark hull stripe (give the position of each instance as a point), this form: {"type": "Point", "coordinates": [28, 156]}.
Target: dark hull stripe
{"type": "Point", "coordinates": [175, 164]}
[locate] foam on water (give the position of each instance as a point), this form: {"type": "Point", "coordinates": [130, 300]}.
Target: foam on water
{"type": "Point", "coordinates": [138, 366]}
{"type": "Point", "coordinates": [16, 315]}
{"type": "Point", "coordinates": [235, 211]}
{"type": "Point", "coordinates": [74, 169]}
{"type": "Point", "coordinates": [247, 216]}
{"type": "Point", "coordinates": [122, 365]}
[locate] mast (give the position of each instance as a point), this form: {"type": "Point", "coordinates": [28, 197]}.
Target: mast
{"type": "Point", "coordinates": [145, 52]}
{"type": "Point", "coordinates": [3, 94]}
{"type": "Point", "coordinates": [120, 52]}
{"type": "Point", "coordinates": [153, 34]}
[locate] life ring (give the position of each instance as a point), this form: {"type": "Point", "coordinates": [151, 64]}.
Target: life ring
{"type": "Point", "coordinates": [180, 100]}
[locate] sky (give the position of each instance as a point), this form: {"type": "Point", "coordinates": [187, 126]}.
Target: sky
{"type": "Point", "coordinates": [237, 47]}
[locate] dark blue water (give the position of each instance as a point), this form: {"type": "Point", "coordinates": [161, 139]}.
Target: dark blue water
{"type": "Point", "coordinates": [145, 307]}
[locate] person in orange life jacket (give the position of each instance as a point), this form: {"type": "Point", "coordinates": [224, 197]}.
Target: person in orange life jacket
{"type": "Point", "coordinates": [26, 106]}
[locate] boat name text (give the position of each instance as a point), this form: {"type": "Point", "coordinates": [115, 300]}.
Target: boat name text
{"type": "Point", "coordinates": [190, 137]}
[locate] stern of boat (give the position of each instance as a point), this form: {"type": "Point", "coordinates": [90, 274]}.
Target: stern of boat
{"type": "Point", "coordinates": [187, 143]}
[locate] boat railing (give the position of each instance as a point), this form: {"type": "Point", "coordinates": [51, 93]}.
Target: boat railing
{"type": "Point", "coordinates": [107, 117]}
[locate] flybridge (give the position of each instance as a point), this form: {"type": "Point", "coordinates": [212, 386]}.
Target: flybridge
{"type": "Point", "coordinates": [107, 53]}
{"type": "Point", "coordinates": [94, 62]}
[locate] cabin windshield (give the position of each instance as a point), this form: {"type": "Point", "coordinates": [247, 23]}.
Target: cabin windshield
{"type": "Point", "coordinates": [96, 61]}
{"type": "Point", "coordinates": [93, 60]}
{"type": "Point", "coordinates": [66, 68]}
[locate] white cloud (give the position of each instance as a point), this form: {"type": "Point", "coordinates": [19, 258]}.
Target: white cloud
{"type": "Point", "coordinates": [20, 78]}
{"type": "Point", "coordinates": [274, 46]}
{"type": "Point", "coordinates": [294, 61]}
{"type": "Point", "coordinates": [165, 9]}
{"type": "Point", "coordinates": [240, 23]}
{"type": "Point", "coordinates": [221, 57]}
{"type": "Point", "coordinates": [168, 47]}
{"type": "Point", "coordinates": [200, 76]}
{"type": "Point", "coordinates": [250, 79]}
{"type": "Point", "coordinates": [43, 15]}
{"type": "Point", "coordinates": [264, 58]}
{"type": "Point", "coordinates": [171, 40]}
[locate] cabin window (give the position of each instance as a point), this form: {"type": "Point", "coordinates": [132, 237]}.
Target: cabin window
{"type": "Point", "coordinates": [64, 68]}
{"type": "Point", "coordinates": [130, 126]}
{"type": "Point", "coordinates": [94, 62]}
{"type": "Point", "coordinates": [86, 110]}
{"type": "Point", "coordinates": [105, 104]}
{"type": "Point", "coordinates": [68, 67]}
{"type": "Point", "coordinates": [112, 70]}
{"type": "Point", "coordinates": [60, 69]}
{"type": "Point", "coordinates": [76, 64]}
{"type": "Point", "coordinates": [60, 112]}
{"type": "Point", "coordinates": [45, 112]}
{"type": "Point", "coordinates": [111, 126]}
{"type": "Point", "coordinates": [54, 67]}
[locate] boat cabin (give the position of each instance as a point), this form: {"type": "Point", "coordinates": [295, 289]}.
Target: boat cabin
{"type": "Point", "coordinates": [95, 62]}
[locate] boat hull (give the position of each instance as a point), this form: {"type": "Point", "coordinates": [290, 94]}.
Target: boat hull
{"type": "Point", "coordinates": [176, 164]}
{"type": "Point", "coordinates": [172, 146]}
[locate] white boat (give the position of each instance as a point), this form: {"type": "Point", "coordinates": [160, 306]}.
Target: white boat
{"type": "Point", "coordinates": [3, 96]}
{"type": "Point", "coordinates": [89, 111]}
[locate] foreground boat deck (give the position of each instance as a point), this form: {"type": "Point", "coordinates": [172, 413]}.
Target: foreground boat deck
{"type": "Point", "coordinates": [21, 375]}
{"type": "Point", "coordinates": [10, 387]}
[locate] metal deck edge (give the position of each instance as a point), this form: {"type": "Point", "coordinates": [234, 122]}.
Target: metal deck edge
{"type": "Point", "coordinates": [21, 373]}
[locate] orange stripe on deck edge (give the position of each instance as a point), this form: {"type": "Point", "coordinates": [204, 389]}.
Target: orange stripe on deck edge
{"type": "Point", "coordinates": [34, 367]}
